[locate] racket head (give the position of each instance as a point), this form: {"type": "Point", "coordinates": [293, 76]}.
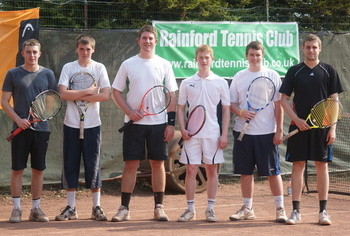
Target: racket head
{"type": "Point", "coordinates": [326, 113]}
{"type": "Point", "coordinates": [79, 81]}
{"type": "Point", "coordinates": [260, 93]}
{"type": "Point", "coordinates": [46, 105]}
{"type": "Point", "coordinates": [196, 120]}
{"type": "Point", "coordinates": [155, 100]}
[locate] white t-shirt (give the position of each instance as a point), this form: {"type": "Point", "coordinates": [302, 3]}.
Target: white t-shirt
{"type": "Point", "coordinates": [92, 116]}
{"type": "Point", "coordinates": [264, 122]}
{"type": "Point", "coordinates": [137, 75]}
{"type": "Point", "coordinates": [207, 92]}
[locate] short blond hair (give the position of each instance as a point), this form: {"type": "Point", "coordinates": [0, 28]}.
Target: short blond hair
{"type": "Point", "coordinates": [147, 28]}
{"type": "Point", "coordinates": [312, 37]}
{"type": "Point", "coordinates": [31, 42]}
{"type": "Point", "coordinates": [205, 48]}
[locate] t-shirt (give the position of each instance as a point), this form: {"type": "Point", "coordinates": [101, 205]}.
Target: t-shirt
{"type": "Point", "coordinates": [208, 92]}
{"type": "Point", "coordinates": [25, 86]}
{"type": "Point", "coordinates": [310, 85]}
{"type": "Point", "coordinates": [92, 116]}
{"type": "Point", "coordinates": [137, 75]}
{"type": "Point", "coordinates": [264, 122]}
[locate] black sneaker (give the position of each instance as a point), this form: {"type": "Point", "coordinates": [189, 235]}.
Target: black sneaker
{"type": "Point", "coordinates": [67, 214]}
{"type": "Point", "coordinates": [98, 214]}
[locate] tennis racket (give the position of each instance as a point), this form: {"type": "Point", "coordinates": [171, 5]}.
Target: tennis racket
{"type": "Point", "coordinates": [323, 114]}
{"type": "Point", "coordinates": [155, 101]}
{"type": "Point", "coordinates": [195, 121]}
{"type": "Point", "coordinates": [44, 107]}
{"type": "Point", "coordinates": [260, 93]}
{"type": "Point", "coordinates": [80, 81]}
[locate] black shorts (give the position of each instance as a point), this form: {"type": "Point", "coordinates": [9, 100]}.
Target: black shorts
{"type": "Point", "coordinates": [33, 143]}
{"type": "Point", "coordinates": [309, 145]}
{"type": "Point", "coordinates": [138, 138]}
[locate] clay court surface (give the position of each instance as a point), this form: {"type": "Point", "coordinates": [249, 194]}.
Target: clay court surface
{"type": "Point", "coordinates": [228, 201]}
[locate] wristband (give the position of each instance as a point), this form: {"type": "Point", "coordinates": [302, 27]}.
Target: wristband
{"type": "Point", "coordinates": [171, 118]}
{"type": "Point", "coordinates": [240, 112]}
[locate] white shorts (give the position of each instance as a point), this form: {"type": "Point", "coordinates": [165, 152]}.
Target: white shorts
{"type": "Point", "coordinates": [201, 150]}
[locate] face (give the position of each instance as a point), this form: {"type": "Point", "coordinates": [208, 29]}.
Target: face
{"type": "Point", "coordinates": [311, 50]}
{"type": "Point", "coordinates": [204, 60]}
{"type": "Point", "coordinates": [147, 42]}
{"type": "Point", "coordinates": [84, 51]}
{"type": "Point", "coordinates": [31, 55]}
{"type": "Point", "coordinates": [255, 57]}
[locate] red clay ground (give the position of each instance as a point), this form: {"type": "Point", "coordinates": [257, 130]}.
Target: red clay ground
{"type": "Point", "coordinates": [228, 201]}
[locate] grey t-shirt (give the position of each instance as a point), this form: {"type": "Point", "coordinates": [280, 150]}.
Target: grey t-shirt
{"type": "Point", "coordinates": [25, 86]}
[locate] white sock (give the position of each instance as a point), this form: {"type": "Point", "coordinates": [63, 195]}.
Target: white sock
{"type": "Point", "coordinates": [211, 203]}
{"type": "Point", "coordinates": [16, 202]}
{"type": "Point", "coordinates": [35, 203]}
{"type": "Point", "coordinates": [96, 196]}
{"type": "Point", "coordinates": [248, 202]}
{"type": "Point", "coordinates": [190, 205]}
{"type": "Point", "coordinates": [279, 201]}
{"type": "Point", "coordinates": [71, 198]}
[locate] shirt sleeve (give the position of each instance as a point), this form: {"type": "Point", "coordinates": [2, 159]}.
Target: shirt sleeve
{"type": "Point", "coordinates": [120, 79]}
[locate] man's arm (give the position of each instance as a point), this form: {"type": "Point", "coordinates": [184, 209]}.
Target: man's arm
{"type": "Point", "coordinates": [288, 108]}
{"type": "Point", "coordinates": [121, 103]}
{"type": "Point", "coordinates": [225, 126]}
{"type": "Point", "coordinates": [10, 112]}
{"type": "Point", "coordinates": [278, 137]}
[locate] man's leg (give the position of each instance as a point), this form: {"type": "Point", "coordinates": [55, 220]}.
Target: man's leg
{"type": "Point", "coordinates": [16, 192]}
{"type": "Point", "coordinates": [276, 186]}
{"type": "Point", "coordinates": [322, 189]}
{"type": "Point", "coordinates": [212, 186]}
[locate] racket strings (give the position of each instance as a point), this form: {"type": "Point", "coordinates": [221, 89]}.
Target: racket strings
{"type": "Point", "coordinates": [81, 81]}
{"type": "Point", "coordinates": [260, 93]}
{"type": "Point", "coordinates": [46, 106]}
{"type": "Point", "coordinates": [196, 120]}
{"type": "Point", "coordinates": [156, 100]}
{"type": "Point", "coordinates": [326, 113]}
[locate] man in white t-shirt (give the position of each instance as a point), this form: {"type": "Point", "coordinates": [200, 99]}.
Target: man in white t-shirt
{"type": "Point", "coordinates": [258, 147]}
{"type": "Point", "coordinates": [89, 147]}
{"type": "Point", "coordinates": [147, 136]}
{"type": "Point", "coordinates": [207, 89]}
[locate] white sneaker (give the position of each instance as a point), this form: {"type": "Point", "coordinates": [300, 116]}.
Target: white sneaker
{"type": "Point", "coordinates": [16, 215]}
{"type": "Point", "coordinates": [210, 216]}
{"type": "Point", "coordinates": [123, 214]}
{"type": "Point", "coordinates": [281, 216]}
{"type": "Point", "coordinates": [159, 213]}
{"type": "Point", "coordinates": [324, 218]}
{"type": "Point", "coordinates": [295, 217]}
{"type": "Point", "coordinates": [187, 216]}
{"type": "Point", "coordinates": [243, 214]}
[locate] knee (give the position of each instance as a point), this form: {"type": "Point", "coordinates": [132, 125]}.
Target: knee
{"type": "Point", "coordinates": [191, 170]}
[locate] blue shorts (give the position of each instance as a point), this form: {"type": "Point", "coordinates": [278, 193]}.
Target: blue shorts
{"type": "Point", "coordinates": [75, 148]}
{"type": "Point", "coordinates": [136, 138]}
{"type": "Point", "coordinates": [255, 151]}
{"type": "Point", "coordinates": [33, 143]}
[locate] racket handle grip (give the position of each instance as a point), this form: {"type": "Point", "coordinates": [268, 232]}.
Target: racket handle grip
{"type": "Point", "coordinates": [14, 134]}
{"type": "Point", "coordinates": [81, 130]}
{"type": "Point", "coordinates": [290, 134]}
{"type": "Point", "coordinates": [125, 126]}
{"type": "Point", "coordinates": [240, 137]}
{"type": "Point", "coordinates": [181, 141]}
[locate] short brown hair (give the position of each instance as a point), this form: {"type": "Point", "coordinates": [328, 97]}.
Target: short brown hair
{"type": "Point", "coordinates": [205, 48]}
{"type": "Point", "coordinates": [31, 42]}
{"type": "Point", "coordinates": [147, 28]}
{"type": "Point", "coordinates": [256, 45]}
{"type": "Point", "coordinates": [312, 37]}
{"type": "Point", "coordinates": [85, 39]}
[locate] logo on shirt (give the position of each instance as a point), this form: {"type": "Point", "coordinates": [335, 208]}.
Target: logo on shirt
{"type": "Point", "coordinates": [192, 85]}
{"type": "Point", "coordinates": [312, 74]}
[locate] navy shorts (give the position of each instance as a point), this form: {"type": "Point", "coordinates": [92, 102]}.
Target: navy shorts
{"type": "Point", "coordinates": [255, 151]}
{"type": "Point", "coordinates": [87, 148]}
{"type": "Point", "coordinates": [33, 143]}
{"type": "Point", "coordinates": [138, 138]}
{"type": "Point", "coordinates": [309, 145]}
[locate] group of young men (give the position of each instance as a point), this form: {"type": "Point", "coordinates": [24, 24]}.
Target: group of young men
{"type": "Point", "coordinates": [310, 81]}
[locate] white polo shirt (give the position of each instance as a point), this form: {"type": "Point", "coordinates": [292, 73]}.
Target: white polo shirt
{"type": "Point", "coordinates": [207, 92]}
{"type": "Point", "coordinates": [137, 75]}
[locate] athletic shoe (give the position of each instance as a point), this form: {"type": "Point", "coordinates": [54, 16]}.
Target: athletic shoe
{"type": "Point", "coordinates": [324, 218]}
{"type": "Point", "coordinates": [123, 214]}
{"type": "Point", "coordinates": [295, 217]}
{"type": "Point", "coordinates": [16, 215]}
{"type": "Point", "coordinates": [210, 216]}
{"type": "Point", "coordinates": [159, 213]}
{"type": "Point", "coordinates": [243, 214]}
{"type": "Point", "coordinates": [67, 214]}
{"type": "Point", "coordinates": [187, 216]}
{"type": "Point", "coordinates": [281, 216]}
{"type": "Point", "coordinates": [36, 214]}
{"type": "Point", "coordinates": [98, 214]}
